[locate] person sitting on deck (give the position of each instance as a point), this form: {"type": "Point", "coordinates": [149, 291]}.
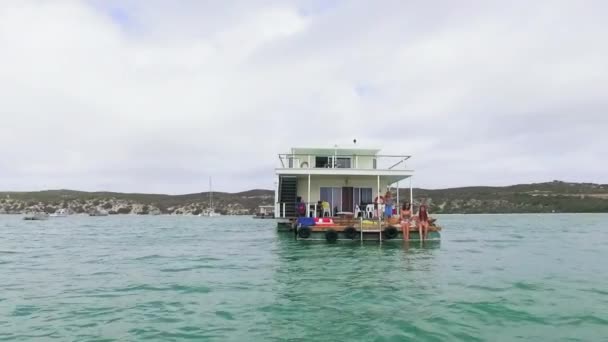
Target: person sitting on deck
{"type": "Point", "coordinates": [406, 216]}
{"type": "Point", "coordinates": [423, 221]}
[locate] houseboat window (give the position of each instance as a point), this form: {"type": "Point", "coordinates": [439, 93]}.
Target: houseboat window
{"type": "Point", "coordinates": [375, 163]}
{"type": "Point", "coordinates": [322, 162]}
{"type": "Point", "coordinates": [343, 162]}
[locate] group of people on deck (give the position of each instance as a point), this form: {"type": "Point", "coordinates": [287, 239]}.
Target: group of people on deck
{"type": "Point", "coordinates": [406, 215]}
{"type": "Point", "coordinates": [384, 208]}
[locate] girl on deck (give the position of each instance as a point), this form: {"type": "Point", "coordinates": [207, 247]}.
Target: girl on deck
{"type": "Point", "coordinates": [423, 221]}
{"type": "Point", "coordinates": [388, 205]}
{"type": "Point", "coordinates": [406, 215]}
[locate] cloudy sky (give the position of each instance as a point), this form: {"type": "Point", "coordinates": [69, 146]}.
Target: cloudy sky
{"type": "Point", "coordinates": [156, 96]}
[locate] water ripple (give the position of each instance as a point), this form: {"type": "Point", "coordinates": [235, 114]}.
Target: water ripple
{"type": "Point", "coordinates": [136, 278]}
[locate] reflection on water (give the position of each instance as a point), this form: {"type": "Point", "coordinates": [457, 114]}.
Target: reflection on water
{"type": "Point", "coordinates": [338, 284]}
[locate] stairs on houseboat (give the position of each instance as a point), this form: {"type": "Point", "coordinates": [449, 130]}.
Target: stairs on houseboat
{"type": "Point", "coordinates": [288, 195]}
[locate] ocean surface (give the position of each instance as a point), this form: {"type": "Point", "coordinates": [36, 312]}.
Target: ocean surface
{"type": "Point", "coordinates": [163, 278]}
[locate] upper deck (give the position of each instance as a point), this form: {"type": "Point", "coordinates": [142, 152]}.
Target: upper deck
{"type": "Point", "coordinates": [347, 161]}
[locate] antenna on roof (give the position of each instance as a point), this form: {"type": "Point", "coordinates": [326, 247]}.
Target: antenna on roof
{"type": "Point", "coordinates": [355, 141]}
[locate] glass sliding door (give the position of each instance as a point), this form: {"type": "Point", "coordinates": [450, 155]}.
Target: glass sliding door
{"type": "Point", "coordinates": [337, 200]}
{"type": "Point", "coordinates": [362, 196]}
{"type": "Point", "coordinates": [333, 196]}
{"type": "Point", "coordinates": [325, 194]}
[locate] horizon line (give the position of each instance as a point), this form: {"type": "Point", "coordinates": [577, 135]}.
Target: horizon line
{"type": "Point", "coordinates": [261, 189]}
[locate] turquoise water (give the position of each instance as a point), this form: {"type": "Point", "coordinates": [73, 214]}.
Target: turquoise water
{"type": "Point", "coordinates": [128, 278]}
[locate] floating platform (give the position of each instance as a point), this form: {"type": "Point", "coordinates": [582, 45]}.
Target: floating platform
{"type": "Point", "coordinates": [356, 230]}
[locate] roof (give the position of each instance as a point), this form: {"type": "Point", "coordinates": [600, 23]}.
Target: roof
{"type": "Point", "coordinates": [336, 149]}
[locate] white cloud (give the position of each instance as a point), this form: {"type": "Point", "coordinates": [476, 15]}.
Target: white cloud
{"type": "Point", "coordinates": [157, 96]}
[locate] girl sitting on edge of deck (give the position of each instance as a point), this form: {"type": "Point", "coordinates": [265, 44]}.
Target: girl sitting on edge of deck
{"type": "Point", "coordinates": [423, 221]}
{"type": "Point", "coordinates": [406, 215]}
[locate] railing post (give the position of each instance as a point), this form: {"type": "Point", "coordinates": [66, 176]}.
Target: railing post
{"type": "Point", "coordinates": [283, 209]}
{"type": "Point", "coordinates": [380, 227]}
{"type": "Point", "coordinates": [361, 227]}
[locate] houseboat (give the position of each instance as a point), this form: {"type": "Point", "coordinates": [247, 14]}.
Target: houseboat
{"type": "Point", "coordinates": [336, 193]}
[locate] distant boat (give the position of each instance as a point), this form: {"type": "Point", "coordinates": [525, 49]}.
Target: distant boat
{"type": "Point", "coordinates": [211, 211]}
{"type": "Point", "coordinates": [36, 216]}
{"type": "Point", "coordinates": [265, 212]}
{"type": "Point", "coordinates": [60, 213]}
{"type": "Point", "coordinates": [98, 213]}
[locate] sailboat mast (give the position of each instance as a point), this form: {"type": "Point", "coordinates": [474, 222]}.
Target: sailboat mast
{"type": "Point", "coordinates": [210, 194]}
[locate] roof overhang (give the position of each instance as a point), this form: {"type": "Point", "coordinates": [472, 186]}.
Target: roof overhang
{"type": "Point", "coordinates": [390, 176]}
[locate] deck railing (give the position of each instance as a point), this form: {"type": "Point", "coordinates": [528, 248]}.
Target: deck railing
{"type": "Point", "coordinates": [281, 209]}
{"type": "Point", "coordinates": [339, 161]}
{"type": "Point", "coordinates": [314, 210]}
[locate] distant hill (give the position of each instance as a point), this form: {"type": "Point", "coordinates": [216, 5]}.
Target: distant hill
{"type": "Point", "coordinates": [243, 203]}
{"type": "Point", "coordinates": [553, 196]}
{"type": "Point", "coordinates": [556, 196]}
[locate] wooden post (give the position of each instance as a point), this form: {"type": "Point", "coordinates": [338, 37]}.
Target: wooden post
{"type": "Point", "coordinates": [308, 198]}
{"type": "Point", "coordinates": [411, 197]}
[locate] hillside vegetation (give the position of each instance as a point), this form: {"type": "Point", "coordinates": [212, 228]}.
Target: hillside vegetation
{"type": "Point", "coordinates": [547, 197]}
{"type": "Point", "coordinates": [553, 196]}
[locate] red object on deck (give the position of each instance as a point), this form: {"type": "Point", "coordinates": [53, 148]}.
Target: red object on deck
{"type": "Point", "coordinates": [323, 221]}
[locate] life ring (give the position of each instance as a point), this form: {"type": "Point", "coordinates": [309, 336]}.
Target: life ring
{"type": "Point", "coordinates": [331, 235]}
{"type": "Point", "coordinates": [390, 232]}
{"type": "Point", "coordinates": [304, 232]}
{"type": "Point", "coordinates": [304, 165]}
{"type": "Point", "coordinates": [350, 232]}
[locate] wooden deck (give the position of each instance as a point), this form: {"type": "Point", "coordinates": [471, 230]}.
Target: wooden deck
{"type": "Point", "coordinates": [371, 225]}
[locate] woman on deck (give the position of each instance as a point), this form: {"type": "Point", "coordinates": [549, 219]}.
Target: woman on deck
{"type": "Point", "coordinates": [378, 205]}
{"type": "Point", "coordinates": [388, 205]}
{"type": "Point", "coordinates": [423, 221]}
{"type": "Point", "coordinates": [406, 215]}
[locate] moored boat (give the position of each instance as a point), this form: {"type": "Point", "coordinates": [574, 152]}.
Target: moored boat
{"type": "Point", "coordinates": [60, 213]}
{"type": "Point", "coordinates": [38, 216]}
{"type": "Point", "coordinates": [98, 212]}
{"type": "Point", "coordinates": [337, 193]}
{"type": "Point", "coordinates": [265, 212]}
{"type": "Point", "coordinates": [210, 212]}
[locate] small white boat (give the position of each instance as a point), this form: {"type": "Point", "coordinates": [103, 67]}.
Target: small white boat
{"type": "Point", "coordinates": [36, 216]}
{"type": "Point", "coordinates": [60, 213]}
{"type": "Point", "coordinates": [264, 212]}
{"type": "Point", "coordinates": [211, 211]}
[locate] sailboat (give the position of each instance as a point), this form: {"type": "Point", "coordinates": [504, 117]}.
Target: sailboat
{"type": "Point", "coordinates": [211, 211]}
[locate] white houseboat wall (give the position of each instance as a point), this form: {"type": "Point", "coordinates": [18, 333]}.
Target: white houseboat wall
{"type": "Point", "coordinates": [346, 177]}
